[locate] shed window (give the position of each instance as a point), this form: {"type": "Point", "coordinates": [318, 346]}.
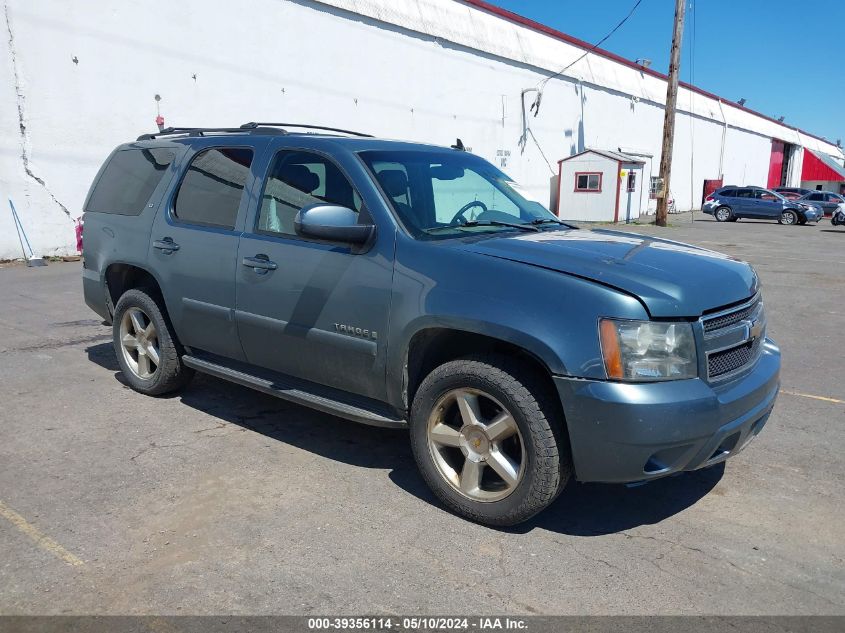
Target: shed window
{"type": "Point", "coordinates": [632, 181]}
{"type": "Point", "coordinates": [588, 181]}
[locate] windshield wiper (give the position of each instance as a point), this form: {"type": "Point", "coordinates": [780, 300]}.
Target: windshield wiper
{"type": "Point", "coordinates": [513, 225]}
{"type": "Point", "coordinates": [537, 221]}
{"type": "Point", "coordinates": [472, 223]}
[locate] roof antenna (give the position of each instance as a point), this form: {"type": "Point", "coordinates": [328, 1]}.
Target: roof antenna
{"type": "Point", "coordinates": [459, 146]}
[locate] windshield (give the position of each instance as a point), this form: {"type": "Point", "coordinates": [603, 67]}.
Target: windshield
{"type": "Point", "coordinates": [453, 193]}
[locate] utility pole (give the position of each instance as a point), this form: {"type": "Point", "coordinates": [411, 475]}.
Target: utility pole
{"type": "Point", "coordinates": [669, 119]}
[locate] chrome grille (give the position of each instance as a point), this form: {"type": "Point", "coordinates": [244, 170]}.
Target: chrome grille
{"type": "Point", "coordinates": [733, 338]}
{"type": "Point", "coordinates": [729, 360]}
{"type": "Point", "coordinates": [723, 320]}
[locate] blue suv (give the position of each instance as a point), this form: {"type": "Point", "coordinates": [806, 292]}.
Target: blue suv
{"type": "Point", "coordinates": [413, 286]}
{"type": "Point", "coordinates": [728, 204]}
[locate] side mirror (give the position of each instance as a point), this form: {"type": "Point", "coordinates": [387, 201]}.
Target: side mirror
{"type": "Point", "coordinates": [332, 222]}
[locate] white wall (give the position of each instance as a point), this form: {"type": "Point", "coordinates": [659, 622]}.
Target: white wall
{"type": "Point", "coordinates": [428, 70]}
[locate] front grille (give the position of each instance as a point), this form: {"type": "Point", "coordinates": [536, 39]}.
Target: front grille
{"type": "Point", "coordinates": [729, 360]}
{"type": "Point", "coordinates": [728, 338]}
{"type": "Point", "coordinates": [724, 320]}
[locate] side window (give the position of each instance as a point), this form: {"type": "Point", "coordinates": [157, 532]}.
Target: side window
{"type": "Point", "coordinates": [744, 193]}
{"type": "Point", "coordinates": [816, 197]}
{"type": "Point", "coordinates": [298, 179]}
{"type": "Point", "coordinates": [129, 180]}
{"type": "Point", "coordinates": [768, 196]}
{"type": "Point", "coordinates": [728, 193]}
{"type": "Point", "coordinates": [211, 191]}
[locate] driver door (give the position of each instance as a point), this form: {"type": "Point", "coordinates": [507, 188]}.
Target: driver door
{"type": "Point", "coordinates": [307, 308]}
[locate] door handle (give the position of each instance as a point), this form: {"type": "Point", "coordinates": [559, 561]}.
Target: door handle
{"type": "Point", "coordinates": [259, 263]}
{"type": "Point", "coordinates": [166, 244]}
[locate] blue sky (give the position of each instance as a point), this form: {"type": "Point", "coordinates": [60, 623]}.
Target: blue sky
{"type": "Point", "coordinates": [784, 57]}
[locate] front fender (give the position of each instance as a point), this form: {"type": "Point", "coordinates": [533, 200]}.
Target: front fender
{"type": "Point", "coordinates": [551, 315]}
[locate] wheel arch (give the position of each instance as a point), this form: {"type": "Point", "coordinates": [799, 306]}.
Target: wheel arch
{"type": "Point", "coordinates": [119, 277]}
{"type": "Point", "coordinates": [431, 346]}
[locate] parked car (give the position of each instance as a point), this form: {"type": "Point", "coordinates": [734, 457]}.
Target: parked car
{"type": "Point", "coordinates": [728, 204]}
{"type": "Point", "coordinates": [413, 286]}
{"type": "Point", "coordinates": [829, 202]}
{"type": "Point", "coordinates": [791, 193]}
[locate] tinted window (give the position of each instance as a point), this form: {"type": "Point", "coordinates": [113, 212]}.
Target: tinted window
{"type": "Point", "coordinates": [211, 190]}
{"type": "Point", "coordinates": [744, 193]}
{"type": "Point", "coordinates": [297, 180]}
{"type": "Point", "coordinates": [815, 196]}
{"type": "Point", "coordinates": [129, 180]}
{"type": "Point", "coordinates": [729, 193]}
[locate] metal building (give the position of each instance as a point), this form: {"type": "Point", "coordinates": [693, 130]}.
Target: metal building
{"type": "Point", "coordinates": [78, 78]}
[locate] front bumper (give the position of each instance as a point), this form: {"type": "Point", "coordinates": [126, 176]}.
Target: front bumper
{"type": "Point", "coordinates": [624, 432]}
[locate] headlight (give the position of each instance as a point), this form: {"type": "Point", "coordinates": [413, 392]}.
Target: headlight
{"type": "Point", "coordinates": [647, 350]}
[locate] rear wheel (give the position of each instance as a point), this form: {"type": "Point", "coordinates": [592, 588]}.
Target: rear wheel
{"type": "Point", "coordinates": [788, 217]}
{"type": "Point", "coordinates": [147, 350]}
{"type": "Point", "coordinates": [488, 440]}
{"type": "Point", "coordinates": [724, 214]}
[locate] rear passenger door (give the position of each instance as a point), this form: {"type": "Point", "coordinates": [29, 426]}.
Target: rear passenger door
{"type": "Point", "coordinates": [194, 243]}
{"type": "Point", "coordinates": [308, 308]}
{"type": "Point", "coordinates": [744, 204]}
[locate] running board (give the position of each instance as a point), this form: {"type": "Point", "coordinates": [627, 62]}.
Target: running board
{"type": "Point", "coordinates": [298, 391]}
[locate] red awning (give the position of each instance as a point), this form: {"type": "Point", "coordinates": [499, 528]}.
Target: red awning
{"type": "Point", "coordinates": [820, 166]}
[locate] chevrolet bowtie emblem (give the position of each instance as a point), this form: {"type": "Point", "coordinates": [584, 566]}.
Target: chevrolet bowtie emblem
{"type": "Point", "coordinates": [755, 330]}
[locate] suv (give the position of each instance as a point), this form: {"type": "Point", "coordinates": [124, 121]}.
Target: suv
{"type": "Point", "coordinates": [407, 285]}
{"type": "Point", "coordinates": [791, 193]}
{"type": "Point", "coordinates": [829, 202]}
{"type": "Point", "coordinates": [728, 204]}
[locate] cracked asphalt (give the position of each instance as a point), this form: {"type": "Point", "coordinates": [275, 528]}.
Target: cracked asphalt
{"type": "Point", "coordinates": [223, 500]}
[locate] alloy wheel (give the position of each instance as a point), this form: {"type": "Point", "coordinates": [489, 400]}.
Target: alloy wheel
{"type": "Point", "coordinates": [723, 214]}
{"type": "Point", "coordinates": [139, 343]}
{"type": "Point", "coordinates": [476, 445]}
{"type": "Point", "coordinates": [787, 217]}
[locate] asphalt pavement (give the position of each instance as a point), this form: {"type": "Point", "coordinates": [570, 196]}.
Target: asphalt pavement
{"type": "Point", "coordinates": [224, 500]}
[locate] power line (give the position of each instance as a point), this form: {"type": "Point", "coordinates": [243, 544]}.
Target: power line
{"type": "Point", "coordinates": [590, 50]}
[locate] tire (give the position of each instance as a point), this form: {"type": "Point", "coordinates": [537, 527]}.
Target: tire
{"type": "Point", "coordinates": [802, 221]}
{"type": "Point", "coordinates": [490, 388]}
{"type": "Point", "coordinates": [788, 217]}
{"type": "Point", "coordinates": [723, 214]}
{"type": "Point", "coordinates": [137, 346]}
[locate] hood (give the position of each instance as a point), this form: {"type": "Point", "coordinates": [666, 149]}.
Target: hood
{"type": "Point", "coordinates": [670, 278]}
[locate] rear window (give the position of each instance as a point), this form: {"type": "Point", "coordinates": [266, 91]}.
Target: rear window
{"type": "Point", "coordinates": [129, 180]}
{"type": "Point", "coordinates": [210, 193]}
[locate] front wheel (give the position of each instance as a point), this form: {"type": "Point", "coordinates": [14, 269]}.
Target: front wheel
{"type": "Point", "coordinates": [788, 217]}
{"type": "Point", "coordinates": [723, 214]}
{"type": "Point", "coordinates": [488, 439]}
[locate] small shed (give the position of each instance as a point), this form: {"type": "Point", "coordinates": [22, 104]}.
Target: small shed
{"type": "Point", "coordinates": [600, 185]}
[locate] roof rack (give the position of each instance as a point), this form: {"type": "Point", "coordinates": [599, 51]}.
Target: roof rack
{"type": "Point", "coordinates": [202, 131]}
{"type": "Point", "coordinates": [253, 125]}
{"type": "Point", "coordinates": [247, 128]}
